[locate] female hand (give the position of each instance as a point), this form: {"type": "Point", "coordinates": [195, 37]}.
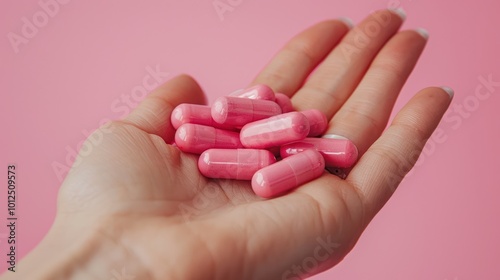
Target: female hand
{"type": "Point", "coordinates": [135, 207]}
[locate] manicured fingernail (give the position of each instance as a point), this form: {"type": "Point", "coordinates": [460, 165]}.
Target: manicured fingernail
{"type": "Point", "coordinates": [347, 22]}
{"type": "Point", "coordinates": [424, 33]}
{"type": "Point", "coordinates": [400, 12]}
{"type": "Point", "coordinates": [449, 90]}
{"type": "Point", "coordinates": [334, 136]}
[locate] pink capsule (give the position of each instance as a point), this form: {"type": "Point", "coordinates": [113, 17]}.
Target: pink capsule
{"type": "Point", "coordinates": [261, 92]}
{"type": "Point", "coordinates": [275, 131]}
{"type": "Point", "coordinates": [288, 174]}
{"type": "Point", "coordinates": [237, 111]}
{"type": "Point", "coordinates": [284, 102]}
{"type": "Point", "coordinates": [195, 138]}
{"type": "Point", "coordinates": [317, 122]}
{"type": "Point", "coordinates": [194, 113]}
{"type": "Point", "coordinates": [337, 152]}
{"type": "Point", "coordinates": [239, 164]}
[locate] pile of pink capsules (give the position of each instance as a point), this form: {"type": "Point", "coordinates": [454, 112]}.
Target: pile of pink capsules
{"type": "Point", "coordinates": [241, 136]}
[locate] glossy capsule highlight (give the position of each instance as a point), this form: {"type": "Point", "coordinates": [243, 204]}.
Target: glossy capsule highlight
{"type": "Point", "coordinates": [261, 92]}
{"type": "Point", "coordinates": [288, 174]}
{"type": "Point", "coordinates": [195, 138]}
{"type": "Point", "coordinates": [275, 131]}
{"type": "Point", "coordinates": [237, 111]}
{"type": "Point", "coordinates": [194, 113]}
{"type": "Point", "coordinates": [336, 152]}
{"type": "Point", "coordinates": [239, 164]}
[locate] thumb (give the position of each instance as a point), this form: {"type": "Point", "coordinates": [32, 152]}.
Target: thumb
{"type": "Point", "coordinates": [153, 113]}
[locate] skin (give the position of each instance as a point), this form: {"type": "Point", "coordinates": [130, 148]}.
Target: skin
{"type": "Point", "coordinates": [136, 207]}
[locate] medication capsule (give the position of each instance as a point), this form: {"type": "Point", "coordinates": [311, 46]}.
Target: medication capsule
{"type": "Point", "coordinates": [237, 111]}
{"type": "Point", "coordinates": [195, 138]}
{"type": "Point", "coordinates": [288, 174]}
{"type": "Point", "coordinates": [284, 102]}
{"type": "Point", "coordinates": [194, 113]}
{"type": "Point", "coordinates": [337, 152]}
{"type": "Point", "coordinates": [261, 92]}
{"type": "Point", "coordinates": [275, 131]}
{"type": "Point", "coordinates": [317, 122]}
{"type": "Point", "coordinates": [239, 164]}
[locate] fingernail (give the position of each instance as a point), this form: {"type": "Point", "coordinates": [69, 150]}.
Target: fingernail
{"type": "Point", "coordinates": [449, 91]}
{"type": "Point", "coordinates": [423, 32]}
{"type": "Point", "coordinates": [347, 21]}
{"type": "Point", "coordinates": [334, 136]}
{"type": "Point", "coordinates": [400, 12]}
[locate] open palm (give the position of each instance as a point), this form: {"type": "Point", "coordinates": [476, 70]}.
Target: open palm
{"type": "Point", "coordinates": [157, 217]}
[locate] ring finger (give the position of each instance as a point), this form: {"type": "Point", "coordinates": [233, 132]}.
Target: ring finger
{"type": "Point", "coordinates": [339, 74]}
{"type": "Point", "coordinates": [365, 114]}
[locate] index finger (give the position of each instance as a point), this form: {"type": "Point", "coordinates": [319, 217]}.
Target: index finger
{"type": "Point", "coordinates": [287, 71]}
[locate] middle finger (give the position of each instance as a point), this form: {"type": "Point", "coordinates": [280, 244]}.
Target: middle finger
{"type": "Point", "coordinates": [336, 78]}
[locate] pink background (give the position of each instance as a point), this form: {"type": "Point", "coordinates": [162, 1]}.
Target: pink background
{"type": "Point", "coordinates": [443, 222]}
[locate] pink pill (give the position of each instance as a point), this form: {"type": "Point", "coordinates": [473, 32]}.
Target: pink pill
{"type": "Point", "coordinates": [195, 138]}
{"type": "Point", "coordinates": [337, 152]}
{"type": "Point", "coordinates": [194, 113]}
{"type": "Point", "coordinates": [284, 102]}
{"type": "Point", "coordinates": [237, 111]}
{"type": "Point", "coordinates": [317, 122]}
{"type": "Point", "coordinates": [288, 174]}
{"type": "Point", "coordinates": [275, 131]}
{"type": "Point", "coordinates": [239, 164]}
{"type": "Point", "coordinates": [261, 92]}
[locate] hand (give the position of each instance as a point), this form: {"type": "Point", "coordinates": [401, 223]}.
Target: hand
{"type": "Point", "coordinates": [137, 206]}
